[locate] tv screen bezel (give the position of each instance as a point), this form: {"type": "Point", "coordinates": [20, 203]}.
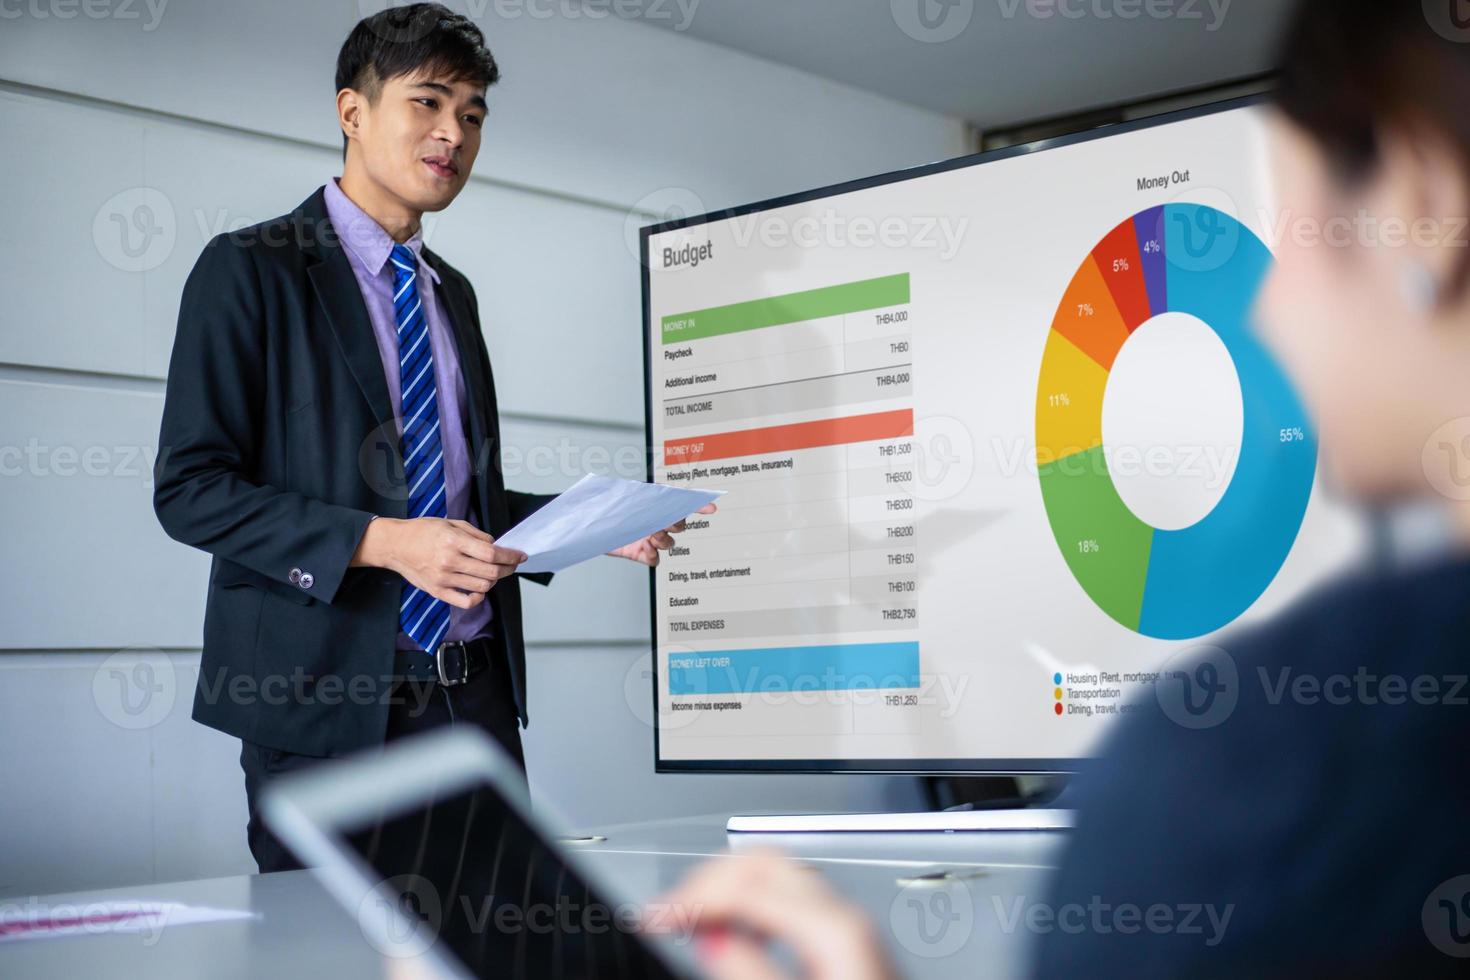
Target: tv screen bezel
{"type": "Point", "coordinates": [894, 767]}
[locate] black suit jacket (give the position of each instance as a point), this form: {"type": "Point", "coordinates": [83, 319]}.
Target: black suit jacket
{"type": "Point", "coordinates": [277, 446]}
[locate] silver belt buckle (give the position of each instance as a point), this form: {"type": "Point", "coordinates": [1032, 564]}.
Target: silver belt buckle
{"type": "Point", "coordinates": [451, 677]}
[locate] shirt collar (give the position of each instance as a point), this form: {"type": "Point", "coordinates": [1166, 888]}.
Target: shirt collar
{"type": "Point", "coordinates": [364, 237]}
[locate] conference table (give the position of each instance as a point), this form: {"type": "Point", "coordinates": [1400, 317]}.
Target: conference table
{"type": "Point", "coordinates": [945, 904]}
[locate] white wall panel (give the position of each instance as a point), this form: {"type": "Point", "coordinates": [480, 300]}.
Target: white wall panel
{"type": "Point", "coordinates": [597, 108]}
{"type": "Point", "coordinates": [66, 304]}
{"type": "Point", "coordinates": [87, 565]}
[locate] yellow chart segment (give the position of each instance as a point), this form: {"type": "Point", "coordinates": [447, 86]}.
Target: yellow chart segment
{"type": "Point", "coordinates": [1069, 401]}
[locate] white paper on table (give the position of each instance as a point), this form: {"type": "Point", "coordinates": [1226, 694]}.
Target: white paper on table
{"type": "Point", "coordinates": [598, 514]}
{"type": "Point", "coordinates": [112, 916]}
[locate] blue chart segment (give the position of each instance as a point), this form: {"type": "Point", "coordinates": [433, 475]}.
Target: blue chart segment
{"type": "Point", "coordinates": [1170, 584]}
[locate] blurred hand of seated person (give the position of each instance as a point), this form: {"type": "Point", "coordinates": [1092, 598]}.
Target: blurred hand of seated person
{"type": "Point", "coordinates": [736, 906]}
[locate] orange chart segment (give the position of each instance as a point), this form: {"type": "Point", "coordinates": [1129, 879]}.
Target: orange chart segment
{"type": "Point", "coordinates": [1122, 269]}
{"type": "Point", "coordinates": [1089, 318]}
{"type": "Point", "coordinates": [1069, 401]}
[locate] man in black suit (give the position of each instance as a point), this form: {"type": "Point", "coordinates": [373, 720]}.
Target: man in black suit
{"type": "Point", "coordinates": [330, 435]}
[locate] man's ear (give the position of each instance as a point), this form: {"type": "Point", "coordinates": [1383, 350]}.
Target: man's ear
{"type": "Point", "coordinates": [1431, 193]}
{"type": "Point", "coordinates": [349, 111]}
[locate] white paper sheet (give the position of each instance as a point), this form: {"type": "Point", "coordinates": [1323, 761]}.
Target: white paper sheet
{"type": "Point", "coordinates": [81, 918]}
{"type": "Point", "coordinates": [598, 514]}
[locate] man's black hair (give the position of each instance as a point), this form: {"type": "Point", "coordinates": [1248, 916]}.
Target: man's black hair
{"type": "Point", "coordinates": [404, 40]}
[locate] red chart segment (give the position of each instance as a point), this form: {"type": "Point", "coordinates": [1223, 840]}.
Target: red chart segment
{"type": "Point", "coordinates": [1118, 260]}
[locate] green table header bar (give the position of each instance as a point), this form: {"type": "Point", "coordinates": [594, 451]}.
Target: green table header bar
{"type": "Point", "coordinates": [812, 304]}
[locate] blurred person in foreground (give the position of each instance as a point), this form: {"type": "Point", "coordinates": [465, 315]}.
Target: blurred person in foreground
{"type": "Point", "coordinates": [1329, 819]}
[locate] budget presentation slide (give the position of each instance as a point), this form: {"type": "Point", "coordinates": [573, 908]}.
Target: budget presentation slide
{"type": "Point", "coordinates": [1001, 440]}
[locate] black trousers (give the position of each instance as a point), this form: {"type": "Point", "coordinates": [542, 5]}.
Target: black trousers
{"type": "Point", "coordinates": [485, 701]}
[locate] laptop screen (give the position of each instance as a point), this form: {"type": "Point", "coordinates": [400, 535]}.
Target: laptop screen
{"type": "Point", "coordinates": [467, 871]}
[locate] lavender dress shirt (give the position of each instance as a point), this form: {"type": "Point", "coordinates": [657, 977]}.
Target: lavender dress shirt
{"type": "Point", "coordinates": [368, 247]}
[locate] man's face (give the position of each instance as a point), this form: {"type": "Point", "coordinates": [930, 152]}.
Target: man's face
{"type": "Point", "coordinates": [420, 140]}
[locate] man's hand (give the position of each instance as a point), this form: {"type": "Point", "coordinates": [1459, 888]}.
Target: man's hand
{"type": "Point", "coordinates": [646, 550]}
{"type": "Point", "coordinates": [451, 560]}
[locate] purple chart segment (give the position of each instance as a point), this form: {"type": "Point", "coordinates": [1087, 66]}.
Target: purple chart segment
{"type": "Point", "coordinates": [1150, 227]}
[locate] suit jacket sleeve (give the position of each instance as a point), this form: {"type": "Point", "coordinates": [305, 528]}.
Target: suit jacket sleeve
{"type": "Point", "coordinates": [522, 506]}
{"type": "Point", "coordinates": [208, 442]}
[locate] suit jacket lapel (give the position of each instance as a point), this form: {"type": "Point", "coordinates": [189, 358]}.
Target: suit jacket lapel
{"type": "Point", "coordinates": [341, 298]}
{"type": "Point", "coordinates": [476, 385]}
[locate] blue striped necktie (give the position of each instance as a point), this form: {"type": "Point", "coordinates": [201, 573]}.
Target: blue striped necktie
{"type": "Point", "coordinates": [424, 618]}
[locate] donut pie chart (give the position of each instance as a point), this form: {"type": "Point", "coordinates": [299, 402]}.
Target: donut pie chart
{"type": "Point", "coordinates": [1180, 583]}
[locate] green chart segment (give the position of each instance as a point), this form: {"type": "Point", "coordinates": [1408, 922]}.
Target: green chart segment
{"type": "Point", "coordinates": [1170, 584]}
{"type": "Point", "coordinates": [1105, 545]}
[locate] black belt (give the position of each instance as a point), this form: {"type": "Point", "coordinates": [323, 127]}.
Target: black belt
{"type": "Point", "coordinates": [455, 662]}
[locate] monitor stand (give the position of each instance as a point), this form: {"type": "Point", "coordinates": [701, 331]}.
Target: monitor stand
{"type": "Point", "coordinates": [942, 821]}
{"type": "Point", "coordinates": [1048, 814]}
